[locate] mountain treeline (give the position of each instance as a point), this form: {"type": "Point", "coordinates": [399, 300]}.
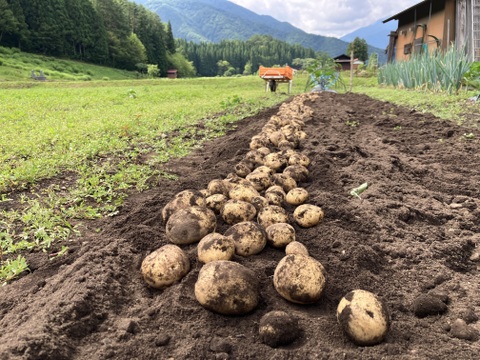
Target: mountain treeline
{"type": "Point", "coordinates": [116, 33]}
{"type": "Point", "coordinates": [231, 57]}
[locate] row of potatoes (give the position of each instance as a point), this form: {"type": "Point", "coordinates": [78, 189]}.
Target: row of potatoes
{"type": "Point", "coordinates": [253, 200]}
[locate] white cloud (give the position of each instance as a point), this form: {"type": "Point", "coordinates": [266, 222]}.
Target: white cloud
{"type": "Point", "coordinates": [324, 17]}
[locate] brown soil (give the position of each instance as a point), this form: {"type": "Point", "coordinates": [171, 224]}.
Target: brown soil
{"type": "Point", "coordinates": [412, 238]}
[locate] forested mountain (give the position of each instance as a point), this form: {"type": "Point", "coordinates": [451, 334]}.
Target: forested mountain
{"type": "Point", "coordinates": [375, 34]}
{"type": "Point", "coordinates": [217, 20]}
{"type": "Point", "coordinates": [117, 33]}
{"type": "Point", "coordinates": [231, 57]}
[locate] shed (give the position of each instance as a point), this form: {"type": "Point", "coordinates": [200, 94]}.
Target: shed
{"type": "Point", "coordinates": [344, 61]}
{"type": "Point", "coordinates": [172, 73]}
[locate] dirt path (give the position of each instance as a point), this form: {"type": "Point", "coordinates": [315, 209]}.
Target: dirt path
{"type": "Point", "coordinates": [412, 238]}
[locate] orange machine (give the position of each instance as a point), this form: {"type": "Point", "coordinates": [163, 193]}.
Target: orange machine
{"type": "Point", "coordinates": [280, 75]}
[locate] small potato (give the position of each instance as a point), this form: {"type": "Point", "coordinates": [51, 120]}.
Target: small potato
{"type": "Point", "coordinates": [299, 159]}
{"type": "Point", "coordinates": [242, 169]}
{"type": "Point", "coordinates": [218, 186]}
{"type": "Point", "coordinates": [285, 181]}
{"type": "Point", "coordinates": [302, 135]}
{"type": "Point", "coordinates": [275, 161]}
{"type": "Point", "coordinates": [275, 195]}
{"type": "Point", "coordinates": [272, 214]}
{"type": "Point", "coordinates": [264, 169]}
{"type": "Point", "coordinates": [264, 150]}
{"type": "Point", "coordinates": [182, 200]}
{"type": "Point", "coordinates": [296, 196]}
{"type": "Point", "coordinates": [259, 202]}
{"type": "Point", "coordinates": [258, 141]}
{"type": "Point", "coordinates": [278, 328]}
{"type": "Point", "coordinates": [165, 266]}
{"type": "Point", "coordinates": [254, 157]}
{"type": "Point", "coordinates": [235, 211]}
{"type": "Point", "coordinates": [260, 180]}
{"type": "Point", "coordinates": [227, 287]}
{"type": "Point", "coordinates": [280, 235]}
{"type": "Point", "coordinates": [299, 278]}
{"type": "Point", "coordinates": [215, 202]}
{"type": "Point", "coordinates": [363, 317]}
{"type": "Point", "coordinates": [298, 172]}
{"type": "Point", "coordinates": [249, 238]}
{"type": "Point", "coordinates": [189, 225]}
{"type": "Point", "coordinates": [307, 215]}
{"type": "Point", "coordinates": [233, 179]}
{"type": "Point", "coordinates": [215, 247]}
{"type": "Point", "coordinates": [243, 192]}
{"type": "Point", "coordinates": [296, 247]}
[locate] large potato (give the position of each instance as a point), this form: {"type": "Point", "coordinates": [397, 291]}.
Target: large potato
{"type": "Point", "coordinates": [299, 278]}
{"type": "Point", "coordinates": [272, 214]}
{"type": "Point", "coordinates": [299, 159]}
{"type": "Point", "coordinates": [280, 235]}
{"type": "Point", "coordinates": [275, 161]}
{"type": "Point", "coordinates": [243, 192]}
{"type": "Point", "coordinates": [363, 317]}
{"type": "Point", "coordinates": [182, 200]}
{"type": "Point", "coordinates": [227, 287]}
{"type": "Point", "coordinates": [248, 237]}
{"type": "Point", "coordinates": [235, 211]}
{"type": "Point", "coordinates": [259, 202]}
{"type": "Point", "coordinates": [242, 169]}
{"type": "Point", "coordinates": [215, 247]}
{"type": "Point", "coordinates": [298, 172]}
{"type": "Point", "coordinates": [165, 266]}
{"type": "Point", "coordinates": [285, 181]}
{"type": "Point", "coordinates": [260, 180]}
{"type": "Point", "coordinates": [218, 186]}
{"type": "Point", "coordinates": [189, 225]}
{"type": "Point", "coordinates": [296, 196]}
{"type": "Point", "coordinates": [255, 157]}
{"type": "Point", "coordinates": [307, 215]}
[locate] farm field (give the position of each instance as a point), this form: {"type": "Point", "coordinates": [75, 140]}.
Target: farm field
{"type": "Point", "coordinates": [413, 234]}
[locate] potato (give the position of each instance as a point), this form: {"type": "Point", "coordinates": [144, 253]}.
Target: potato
{"type": "Point", "coordinates": [215, 247]}
{"type": "Point", "coordinates": [254, 157]}
{"type": "Point", "coordinates": [233, 179]}
{"type": "Point", "coordinates": [275, 137]}
{"type": "Point", "coordinates": [296, 247]}
{"type": "Point", "coordinates": [165, 266]}
{"type": "Point", "coordinates": [259, 202]}
{"type": "Point", "coordinates": [272, 214]}
{"type": "Point", "coordinates": [299, 278]}
{"type": "Point", "coordinates": [298, 172]}
{"type": "Point", "coordinates": [242, 169]}
{"type": "Point", "coordinates": [215, 202]}
{"type": "Point", "coordinates": [280, 235]}
{"type": "Point", "coordinates": [287, 145]}
{"type": "Point", "coordinates": [182, 200]}
{"type": "Point", "coordinates": [302, 135]}
{"type": "Point", "coordinates": [296, 196]}
{"type": "Point", "coordinates": [258, 141]}
{"type": "Point", "coordinates": [264, 150]}
{"type": "Point", "coordinates": [235, 211]}
{"type": "Point", "coordinates": [218, 186]}
{"type": "Point", "coordinates": [299, 159]}
{"type": "Point", "coordinates": [285, 181]}
{"type": "Point", "coordinates": [244, 192]}
{"type": "Point", "coordinates": [260, 180]}
{"type": "Point", "coordinates": [275, 195]}
{"type": "Point", "coordinates": [249, 238]}
{"type": "Point", "coordinates": [264, 169]}
{"type": "Point", "coordinates": [278, 328]}
{"type": "Point", "coordinates": [227, 287]}
{"type": "Point", "coordinates": [363, 317]}
{"type": "Point", "coordinates": [189, 225]}
{"type": "Point", "coordinates": [307, 215]}
{"type": "Point", "coordinates": [275, 161]}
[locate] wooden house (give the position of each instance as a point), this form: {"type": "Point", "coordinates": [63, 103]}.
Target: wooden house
{"type": "Point", "coordinates": [435, 24]}
{"type": "Point", "coordinates": [345, 62]}
{"type": "Point", "coordinates": [172, 74]}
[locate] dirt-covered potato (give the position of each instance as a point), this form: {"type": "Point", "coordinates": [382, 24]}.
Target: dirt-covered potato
{"type": "Point", "coordinates": [216, 202]}
{"type": "Point", "coordinates": [244, 192]}
{"type": "Point", "coordinates": [285, 181]}
{"type": "Point", "coordinates": [165, 266]}
{"type": "Point", "coordinates": [275, 137]}
{"type": "Point", "coordinates": [189, 225]}
{"type": "Point", "coordinates": [264, 150]}
{"type": "Point", "coordinates": [278, 328]}
{"type": "Point", "coordinates": [254, 157]}
{"type": "Point", "coordinates": [296, 247]}
{"type": "Point", "coordinates": [296, 196]}
{"type": "Point", "coordinates": [363, 317]}
{"type": "Point", "coordinates": [242, 169]}
{"type": "Point", "coordinates": [259, 202]}
{"type": "Point", "coordinates": [302, 135]}
{"type": "Point", "coordinates": [298, 172]}
{"type": "Point", "coordinates": [233, 179]}
{"type": "Point", "coordinates": [182, 200]}
{"type": "Point", "coordinates": [260, 180]}
{"type": "Point", "coordinates": [258, 141]}
{"type": "Point", "coordinates": [275, 161]}
{"type": "Point", "coordinates": [299, 159]}
{"type": "Point", "coordinates": [218, 186]}
{"type": "Point", "coordinates": [280, 235]}
{"type": "Point", "coordinates": [248, 237]}
{"type": "Point", "coordinates": [308, 215]}
{"type": "Point", "coordinates": [264, 169]}
{"type": "Point", "coordinates": [272, 214]}
{"type": "Point", "coordinates": [287, 145]}
{"type": "Point", "coordinates": [235, 211]}
{"type": "Point", "coordinates": [227, 287]}
{"type": "Point", "coordinates": [215, 247]}
{"type": "Point", "coordinates": [275, 195]}
{"type": "Point", "coordinates": [299, 278]}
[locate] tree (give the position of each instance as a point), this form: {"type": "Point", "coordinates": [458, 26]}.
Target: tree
{"type": "Point", "coordinates": [178, 61]}
{"type": "Point", "coordinates": [170, 41]}
{"type": "Point", "coordinates": [360, 49]}
{"type": "Point", "coordinates": [8, 23]}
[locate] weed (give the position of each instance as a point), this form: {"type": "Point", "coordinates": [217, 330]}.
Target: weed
{"type": "Point", "coordinates": [10, 269]}
{"type": "Point", "coordinates": [352, 123]}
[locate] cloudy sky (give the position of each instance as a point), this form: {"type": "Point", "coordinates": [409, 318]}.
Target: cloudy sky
{"type": "Point", "coordinates": [326, 17]}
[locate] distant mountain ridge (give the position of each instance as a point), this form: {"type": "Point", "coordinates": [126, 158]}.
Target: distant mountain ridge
{"type": "Point", "coordinates": [375, 34]}
{"type": "Point", "coordinates": [217, 20]}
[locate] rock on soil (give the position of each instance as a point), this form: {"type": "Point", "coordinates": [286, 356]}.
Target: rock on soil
{"type": "Point", "coordinates": [419, 219]}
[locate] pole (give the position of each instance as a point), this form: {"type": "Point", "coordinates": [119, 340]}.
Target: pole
{"type": "Point", "coordinates": [351, 70]}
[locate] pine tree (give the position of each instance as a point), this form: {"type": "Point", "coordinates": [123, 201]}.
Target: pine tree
{"type": "Point", "coordinates": [170, 41]}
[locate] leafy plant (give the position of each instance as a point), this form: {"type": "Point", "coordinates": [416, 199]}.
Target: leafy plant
{"type": "Point", "coordinates": [10, 269]}
{"type": "Point", "coordinates": [324, 74]}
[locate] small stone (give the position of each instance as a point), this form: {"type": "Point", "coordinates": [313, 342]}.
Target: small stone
{"type": "Point", "coordinates": [278, 328]}
{"type": "Point", "coordinates": [162, 340]}
{"type": "Point", "coordinates": [469, 316]}
{"type": "Point", "coordinates": [127, 325]}
{"type": "Point", "coordinates": [461, 330]}
{"type": "Point", "coordinates": [428, 304]}
{"type": "Point", "coordinates": [219, 345]}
